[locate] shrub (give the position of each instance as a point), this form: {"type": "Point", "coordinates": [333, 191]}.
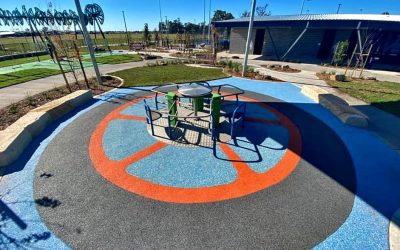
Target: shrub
{"type": "Point", "coordinates": [340, 56]}
{"type": "Point", "coordinates": [237, 67]}
{"type": "Point", "coordinates": [30, 100]}
{"type": "Point", "coordinates": [13, 109]}
{"type": "Point", "coordinates": [230, 65]}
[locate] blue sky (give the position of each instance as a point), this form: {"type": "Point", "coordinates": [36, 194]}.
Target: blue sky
{"type": "Point", "coordinates": [138, 12]}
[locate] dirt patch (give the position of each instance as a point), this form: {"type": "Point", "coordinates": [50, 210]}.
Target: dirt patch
{"type": "Point", "coordinates": [11, 113]}
{"type": "Point", "coordinates": [281, 68]}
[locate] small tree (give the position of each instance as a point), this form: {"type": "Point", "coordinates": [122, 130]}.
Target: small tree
{"type": "Point", "coordinates": [146, 34]}
{"type": "Point", "coordinates": [220, 15]}
{"type": "Point", "coordinates": [157, 37]}
{"type": "Point", "coordinates": [245, 13]}
{"type": "Point", "coordinates": [262, 10]}
{"type": "Point", "coordinates": [340, 56]}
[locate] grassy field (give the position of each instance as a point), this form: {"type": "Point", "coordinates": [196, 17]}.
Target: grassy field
{"type": "Point", "coordinates": [116, 59]}
{"type": "Point", "coordinates": [112, 38]}
{"type": "Point", "coordinates": [18, 61]}
{"type": "Point", "coordinates": [25, 75]}
{"type": "Point", "coordinates": [383, 95]}
{"type": "Point", "coordinates": [158, 75]}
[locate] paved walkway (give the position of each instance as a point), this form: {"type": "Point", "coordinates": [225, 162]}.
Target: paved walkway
{"type": "Point", "coordinates": [19, 92]}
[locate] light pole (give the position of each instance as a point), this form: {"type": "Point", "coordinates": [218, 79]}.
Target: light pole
{"type": "Point", "coordinates": [126, 29]}
{"type": "Point", "coordinates": [302, 6]}
{"type": "Point", "coordinates": [161, 21]}
{"type": "Point", "coordinates": [204, 21]}
{"type": "Point", "coordinates": [209, 22]}
{"type": "Point", "coordinates": [87, 39]}
{"type": "Point", "coordinates": [249, 32]}
{"type": "Point", "coordinates": [338, 8]}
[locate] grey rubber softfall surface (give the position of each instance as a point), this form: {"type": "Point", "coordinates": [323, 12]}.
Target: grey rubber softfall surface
{"type": "Point", "coordinates": [91, 213]}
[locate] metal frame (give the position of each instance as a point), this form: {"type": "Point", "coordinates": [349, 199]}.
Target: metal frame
{"type": "Point", "coordinates": [296, 41]}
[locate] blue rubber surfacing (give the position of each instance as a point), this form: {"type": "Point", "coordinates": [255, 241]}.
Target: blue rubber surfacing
{"type": "Point", "coordinates": [366, 227]}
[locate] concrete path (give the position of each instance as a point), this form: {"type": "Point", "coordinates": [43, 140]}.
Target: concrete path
{"type": "Point", "coordinates": [19, 92]}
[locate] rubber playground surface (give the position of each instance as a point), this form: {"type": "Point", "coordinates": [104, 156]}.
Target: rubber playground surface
{"type": "Point", "coordinates": [296, 178]}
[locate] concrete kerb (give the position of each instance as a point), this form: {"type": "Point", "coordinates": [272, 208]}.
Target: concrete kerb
{"type": "Point", "coordinates": [394, 231]}
{"type": "Point", "coordinates": [116, 77]}
{"type": "Point", "coordinates": [339, 107]}
{"type": "Point", "coordinates": [15, 138]}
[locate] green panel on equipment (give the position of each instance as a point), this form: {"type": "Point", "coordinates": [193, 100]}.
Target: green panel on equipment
{"type": "Point", "coordinates": [216, 109]}
{"type": "Point", "coordinates": [172, 107]}
{"type": "Point", "coordinates": [198, 104]}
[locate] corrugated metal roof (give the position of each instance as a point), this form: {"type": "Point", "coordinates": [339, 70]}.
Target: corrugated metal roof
{"type": "Point", "coordinates": [320, 17]}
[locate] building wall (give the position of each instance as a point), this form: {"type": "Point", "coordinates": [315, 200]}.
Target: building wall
{"type": "Point", "coordinates": [238, 41]}
{"type": "Point", "coordinates": [282, 38]}
{"type": "Point", "coordinates": [307, 47]}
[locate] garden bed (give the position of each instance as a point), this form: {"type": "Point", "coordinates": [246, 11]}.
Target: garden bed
{"type": "Point", "coordinates": [13, 112]}
{"type": "Point", "coordinates": [281, 68]}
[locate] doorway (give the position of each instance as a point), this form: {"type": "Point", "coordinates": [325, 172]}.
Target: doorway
{"type": "Point", "coordinates": [259, 41]}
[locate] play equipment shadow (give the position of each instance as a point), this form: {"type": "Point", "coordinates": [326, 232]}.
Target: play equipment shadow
{"type": "Point", "coordinates": [323, 148]}
{"type": "Point", "coordinates": [19, 241]}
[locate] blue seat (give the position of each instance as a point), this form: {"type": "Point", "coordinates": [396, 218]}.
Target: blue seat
{"type": "Point", "coordinates": [163, 90]}
{"type": "Point", "coordinates": [230, 91]}
{"type": "Point", "coordinates": [151, 116]}
{"type": "Point", "coordinates": [236, 117]}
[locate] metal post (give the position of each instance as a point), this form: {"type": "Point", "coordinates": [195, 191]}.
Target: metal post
{"type": "Point", "coordinates": [126, 29]}
{"type": "Point", "coordinates": [160, 24]}
{"type": "Point", "coordinates": [302, 7]}
{"type": "Point", "coordinates": [209, 22]}
{"type": "Point", "coordinates": [204, 21]}
{"type": "Point", "coordinates": [338, 9]}
{"type": "Point", "coordinates": [88, 42]}
{"type": "Point", "coordinates": [297, 40]}
{"type": "Point", "coordinates": [249, 32]}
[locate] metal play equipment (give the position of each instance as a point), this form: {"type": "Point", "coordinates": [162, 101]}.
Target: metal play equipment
{"type": "Point", "coordinates": [34, 17]}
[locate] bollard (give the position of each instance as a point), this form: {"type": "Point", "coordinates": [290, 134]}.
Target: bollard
{"type": "Point", "coordinates": [172, 107]}
{"type": "Point", "coordinates": [216, 109]}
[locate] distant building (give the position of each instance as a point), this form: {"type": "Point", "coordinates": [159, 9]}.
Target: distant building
{"type": "Point", "coordinates": [313, 38]}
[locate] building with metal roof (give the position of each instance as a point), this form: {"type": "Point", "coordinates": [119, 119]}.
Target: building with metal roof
{"type": "Point", "coordinates": [314, 38]}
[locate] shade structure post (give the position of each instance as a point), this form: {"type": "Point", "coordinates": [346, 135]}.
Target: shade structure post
{"type": "Point", "coordinates": [250, 31]}
{"type": "Point", "coordinates": [87, 40]}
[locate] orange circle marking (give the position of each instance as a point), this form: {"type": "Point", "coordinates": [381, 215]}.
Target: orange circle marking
{"type": "Point", "coordinates": [248, 181]}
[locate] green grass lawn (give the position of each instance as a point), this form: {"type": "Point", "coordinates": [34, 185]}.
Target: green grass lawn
{"type": "Point", "coordinates": [383, 95]}
{"type": "Point", "coordinates": [25, 75]}
{"type": "Point", "coordinates": [18, 61]}
{"type": "Point", "coordinates": [158, 75]}
{"type": "Point", "coordinates": [116, 59]}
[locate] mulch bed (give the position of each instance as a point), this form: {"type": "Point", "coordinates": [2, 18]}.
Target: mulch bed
{"type": "Point", "coordinates": [254, 76]}
{"type": "Point", "coordinates": [11, 113]}
{"type": "Point", "coordinates": [279, 68]}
